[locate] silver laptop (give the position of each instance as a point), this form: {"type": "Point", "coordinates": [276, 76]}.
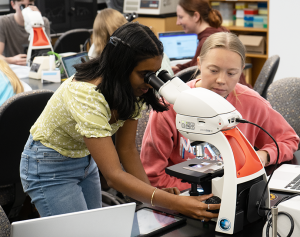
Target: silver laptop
{"type": "Point", "coordinates": [68, 62]}
{"type": "Point", "coordinates": [286, 179]}
{"type": "Point", "coordinates": [179, 45]}
{"type": "Point", "coordinates": [109, 221]}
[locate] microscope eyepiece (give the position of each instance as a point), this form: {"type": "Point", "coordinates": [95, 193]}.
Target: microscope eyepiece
{"type": "Point", "coordinates": [153, 80]}
{"type": "Point", "coordinates": [23, 6]}
{"type": "Point", "coordinates": [164, 76]}
{"type": "Point", "coordinates": [147, 77]}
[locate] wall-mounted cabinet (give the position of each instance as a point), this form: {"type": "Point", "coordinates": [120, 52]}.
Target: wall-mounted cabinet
{"type": "Point", "coordinates": [69, 14]}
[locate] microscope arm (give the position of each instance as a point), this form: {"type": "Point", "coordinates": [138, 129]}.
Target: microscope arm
{"type": "Point", "coordinates": [204, 116]}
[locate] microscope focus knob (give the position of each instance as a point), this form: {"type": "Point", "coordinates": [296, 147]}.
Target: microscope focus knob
{"type": "Point", "coordinates": [213, 200]}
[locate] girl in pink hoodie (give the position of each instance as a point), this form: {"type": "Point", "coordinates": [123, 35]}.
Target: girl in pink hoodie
{"type": "Point", "coordinates": [221, 63]}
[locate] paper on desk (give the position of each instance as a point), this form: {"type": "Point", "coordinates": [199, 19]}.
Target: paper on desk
{"type": "Point", "coordinates": [20, 71]}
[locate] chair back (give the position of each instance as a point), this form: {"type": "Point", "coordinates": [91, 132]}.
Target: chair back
{"type": "Point", "coordinates": [71, 40]}
{"type": "Point", "coordinates": [187, 74]}
{"type": "Point", "coordinates": [17, 115]}
{"type": "Point", "coordinates": [266, 75]}
{"type": "Point", "coordinates": [142, 124]}
{"type": "Point", "coordinates": [4, 224]}
{"type": "Point", "coordinates": [284, 96]}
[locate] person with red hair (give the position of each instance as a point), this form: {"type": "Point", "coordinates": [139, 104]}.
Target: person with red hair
{"type": "Point", "coordinates": [198, 17]}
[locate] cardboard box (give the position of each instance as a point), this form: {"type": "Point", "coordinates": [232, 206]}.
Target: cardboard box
{"type": "Point", "coordinates": [253, 44]}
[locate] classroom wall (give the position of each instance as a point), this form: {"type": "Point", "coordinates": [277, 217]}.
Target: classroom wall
{"type": "Point", "coordinates": [284, 36]}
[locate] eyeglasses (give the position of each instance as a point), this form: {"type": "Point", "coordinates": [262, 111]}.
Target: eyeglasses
{"type": "Point", "coordinates": [22, 6]}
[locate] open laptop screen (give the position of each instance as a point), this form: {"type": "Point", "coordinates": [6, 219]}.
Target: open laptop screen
{"type": "Point", "coordinates": [69, 61]}
{"type": "Point", "coordinates": [108, 221]}
{"type": "Point", "coordinates": [178, 45]}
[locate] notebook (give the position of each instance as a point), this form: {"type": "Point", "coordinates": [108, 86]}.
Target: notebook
{"type": "Point", "coordinates": [69, 61]}
{"type": "Point", "coordinates": [179, 45]}
{"type": "Point", "coordinates": [109, 221]}
{"type": "Point", "coordinates": [286, 179]}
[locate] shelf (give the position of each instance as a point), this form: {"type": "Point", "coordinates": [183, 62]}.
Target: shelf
{"type": "Point", "coordinates": [239, 28]}
{"type": "Point", "coordinates": [257, 60]}
{"type": "Point", "coordinates": [252, 55]}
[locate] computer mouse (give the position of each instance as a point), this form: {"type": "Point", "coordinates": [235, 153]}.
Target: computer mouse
{"type": "Point", "coordinates": [213, 200]}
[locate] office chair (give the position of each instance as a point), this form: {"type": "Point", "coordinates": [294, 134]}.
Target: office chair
{"type": "Point", "coordinates": [142, 124]}
{"type": "Point", "coordinates": [87, 44]}
{"type": "Point", "coordinates": [187, 74]}
{"type": "Point", "coordinates": [266, 75]}
{"type": "Point", "coordinates": [17, 115]}
{"type": "Point", "coordinates": [71, 40]}
{"type": "Point", "coordinates": [284, 96]}
{"type": "Point", "coordinates": [4, 224]}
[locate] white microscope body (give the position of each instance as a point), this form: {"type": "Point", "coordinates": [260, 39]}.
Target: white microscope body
{"type": "Point", "coordinates": [203, 115]}
{"type": "Point", "coordinates": [34, 25]}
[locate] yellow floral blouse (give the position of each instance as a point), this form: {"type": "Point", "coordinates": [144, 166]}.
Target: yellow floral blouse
{"type": "Point", "coordinates": [75, 110]}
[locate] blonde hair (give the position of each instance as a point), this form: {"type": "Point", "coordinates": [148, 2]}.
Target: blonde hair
{"type": "Point", "coordinates": [224, 40]}
{"type": "Point", "coordinates": [14, 80]}
{"type": "Point", "coordinates": [106, 23]}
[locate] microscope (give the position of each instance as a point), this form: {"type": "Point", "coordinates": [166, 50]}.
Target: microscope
{"type": "Point", "coordinates": [34, 25]}
{"type": "Point", "coordinates": [239, 181]}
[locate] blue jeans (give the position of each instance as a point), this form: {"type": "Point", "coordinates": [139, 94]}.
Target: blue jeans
{"type": "Point", "coordinates": [58, 184]}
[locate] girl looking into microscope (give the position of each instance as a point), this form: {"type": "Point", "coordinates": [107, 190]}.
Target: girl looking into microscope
{"type": "Point", "coordinates": [72, 137]}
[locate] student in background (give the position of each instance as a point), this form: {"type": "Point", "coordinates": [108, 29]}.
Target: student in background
{"type": "Point", "coordinates": [72, 137]}
{"type": "Point", "coordinates": [197, 16]}
{"type": "Point", "coordinates": [13, 36]}
{"type": "Point", "coordinates": [106, 23]}
{"type": "Point", "coordinates": [9, 82]}
{"type": "Point", "coordinates": [221, 63]}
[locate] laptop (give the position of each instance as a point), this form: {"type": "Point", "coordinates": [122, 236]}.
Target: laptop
{"type": "Point", "coordinates": [69, 61]}
{"type": "Point", "coordinates": [286, 179]}
{"type": "Point", "coordinates": [108, 221]}
{"type": "Point", "coordinates": [179, 45]}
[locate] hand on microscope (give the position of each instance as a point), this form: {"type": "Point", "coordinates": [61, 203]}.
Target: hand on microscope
{"type": "Point", "coordinates": [33, 8]}
{"type": "Point", "coordinates": [194, 207]}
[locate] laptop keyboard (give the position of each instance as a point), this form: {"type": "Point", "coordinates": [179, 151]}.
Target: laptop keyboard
{"type": "Point", "coordinates": [295, 184]}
